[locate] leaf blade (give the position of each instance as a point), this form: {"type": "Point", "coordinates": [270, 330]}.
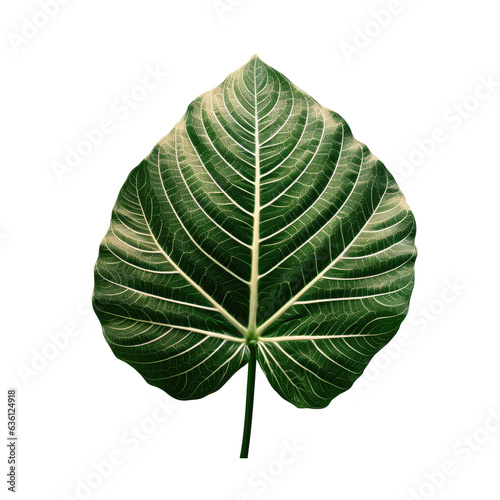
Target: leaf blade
{"type": "Point", "coordinates": [258, 217]}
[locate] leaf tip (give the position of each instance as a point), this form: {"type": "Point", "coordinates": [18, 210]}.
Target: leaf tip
{"type": "Point", "coordinates": [256, 60]}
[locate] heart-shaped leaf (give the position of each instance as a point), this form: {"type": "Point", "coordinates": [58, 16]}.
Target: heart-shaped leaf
{"type": "Point", "coordinates": [257, 229]}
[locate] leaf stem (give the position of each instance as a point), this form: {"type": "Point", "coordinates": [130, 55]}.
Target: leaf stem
{"type": "Point", "coordinates": [247, 428]}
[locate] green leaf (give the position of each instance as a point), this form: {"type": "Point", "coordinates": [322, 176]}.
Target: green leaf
{"type": "Point", "coordinates": [257, 221]}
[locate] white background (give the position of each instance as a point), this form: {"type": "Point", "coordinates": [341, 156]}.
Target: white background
{"type": "Point", "coordinates": [434, 385]}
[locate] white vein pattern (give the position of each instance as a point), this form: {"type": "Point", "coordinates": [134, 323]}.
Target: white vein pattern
{"type": "Point", "coordinates": [258, 216]}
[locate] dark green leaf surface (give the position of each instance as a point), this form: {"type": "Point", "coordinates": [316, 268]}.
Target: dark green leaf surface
{"type": "Point", "coordinates": [258, 218]}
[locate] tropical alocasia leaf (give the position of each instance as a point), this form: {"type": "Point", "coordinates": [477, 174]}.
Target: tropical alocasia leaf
{"type": "Point", "coordinates": [258, 229]}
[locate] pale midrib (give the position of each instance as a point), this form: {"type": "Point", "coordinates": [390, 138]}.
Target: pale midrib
{"type": "Point", "coordinates": [254, 279]}
{"type": "Point", "coordinates": [253, 331]}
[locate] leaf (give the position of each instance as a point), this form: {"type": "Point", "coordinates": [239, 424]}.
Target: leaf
{"type": "Point", "coordinates": [258, 224]}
